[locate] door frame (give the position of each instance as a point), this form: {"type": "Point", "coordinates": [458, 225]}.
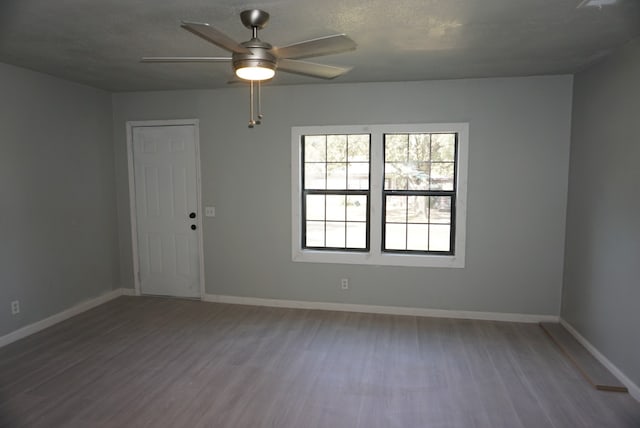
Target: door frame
{"type": "Point", "coordinates": [132, 195]}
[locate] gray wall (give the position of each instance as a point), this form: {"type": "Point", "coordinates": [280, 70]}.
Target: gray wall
{"type": "Point", "coordinates": [58, 241]}
{"type": "Point", "coordinates": [601, 294]}
{"type": "Point", "coordinates": [518, 168]}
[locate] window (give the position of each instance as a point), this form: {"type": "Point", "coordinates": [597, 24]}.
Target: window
{"type": "Point", "coordinates": [380, 194]}
{"type": "Point", "coordinates": [419, 192]}
{"type": "Point", "coordinates": [335, 191]}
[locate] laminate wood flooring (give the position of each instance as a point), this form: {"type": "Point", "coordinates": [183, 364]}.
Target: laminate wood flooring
{"type": "Point", "coordinates": [157, 362]}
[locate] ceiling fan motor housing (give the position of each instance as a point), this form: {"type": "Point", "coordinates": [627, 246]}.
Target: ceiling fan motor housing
{"type": "Point", "coordinates": [260, 55]}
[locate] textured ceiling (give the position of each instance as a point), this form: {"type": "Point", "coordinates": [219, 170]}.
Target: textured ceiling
{"type": "Point", "coordinates": [99, 43]}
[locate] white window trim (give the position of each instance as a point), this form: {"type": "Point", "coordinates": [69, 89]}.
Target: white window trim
{"type": "Point", "coordinates": [375, 256]}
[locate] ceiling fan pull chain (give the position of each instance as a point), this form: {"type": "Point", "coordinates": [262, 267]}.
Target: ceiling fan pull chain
{"type": "Point", "coordinates": [251, 121]}
{"type": "Point", "coordinates": [259, 99]}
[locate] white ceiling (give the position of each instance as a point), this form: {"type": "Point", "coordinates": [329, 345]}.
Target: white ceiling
{"type": "Point", "coordinates": [100, 42]}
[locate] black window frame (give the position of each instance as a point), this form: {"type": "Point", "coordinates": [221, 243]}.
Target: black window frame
{"type": "Point", "coordinates": [452, 194]}
{"type": "Point", "coordinates": [337, 192]}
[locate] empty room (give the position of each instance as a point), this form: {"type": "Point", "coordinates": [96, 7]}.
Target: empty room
{"type": "Point", "coordinates": [336, 214]}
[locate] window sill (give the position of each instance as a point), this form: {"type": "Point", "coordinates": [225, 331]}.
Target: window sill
{"type": "Point", "coordinates": [378, 259]}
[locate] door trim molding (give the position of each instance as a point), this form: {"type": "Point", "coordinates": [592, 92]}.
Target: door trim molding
{"type": "Point", "coordinates": [132, 195]}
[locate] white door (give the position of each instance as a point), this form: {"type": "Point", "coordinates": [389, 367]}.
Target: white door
{"type": "Point", "coordinates": [166, 204]}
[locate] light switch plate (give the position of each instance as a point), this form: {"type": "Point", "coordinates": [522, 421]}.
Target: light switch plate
{"type": "Point", "coordinates": [209, 211]}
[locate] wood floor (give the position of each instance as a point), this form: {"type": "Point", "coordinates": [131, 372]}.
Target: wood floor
{"type": "Point", "coordinates": [153, 362]}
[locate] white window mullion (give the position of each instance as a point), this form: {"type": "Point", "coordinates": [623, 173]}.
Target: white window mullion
{"type": "Point", "coordinates": [296, 191]}
{"type": "Point", "coordinates": [376, 191]}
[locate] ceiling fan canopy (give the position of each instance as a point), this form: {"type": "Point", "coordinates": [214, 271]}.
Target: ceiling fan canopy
{"type": "Point", "coordinates": [255, 60]}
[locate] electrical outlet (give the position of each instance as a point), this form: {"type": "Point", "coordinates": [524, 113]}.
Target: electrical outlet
{"type": "Point", "coordinates": [209, 211]}
{"type": "Point", "coordinates": [345, 283]}
{"type": "Point", "coordinates": [15, 307]}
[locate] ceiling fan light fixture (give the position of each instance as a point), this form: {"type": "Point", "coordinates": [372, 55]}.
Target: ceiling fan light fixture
{"type": "Point", "coordinates": [248, 67]}
{"type": "Point", "coordinates": [255, 72]}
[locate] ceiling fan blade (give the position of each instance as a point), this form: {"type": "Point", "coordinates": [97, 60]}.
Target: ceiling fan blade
{"type": "Point", "coordinates": [214, 36]}
{"type": "Point", "coordinates": [311, 69]}
{"type": "Point", "coordinates": [185, 59]}
{"type": "Point", "coordinates": [317, 47]}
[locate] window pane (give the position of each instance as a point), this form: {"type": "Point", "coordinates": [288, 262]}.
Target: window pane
{"type": "Point", "coordinates": [356, 235]}
{"type": "Point", "coordinates": [357, 208]}
{"type": "Point", "coordinates": [396, 209]}
{"type": "Point", "coordinates": [443, 147]}
{"type": "Point", "coordinates": [395, 147]}
{"type": "Point", "coordinates": [439, 237]}
{"type": "Point", "coordinates": [440, 209]}
{"type": "Point", "coordinates": [315, 207]}
{"type": "Point", "coordinates": [419, 147]}
{"type": "Point", "coordinates": [336, 234]}
{"type": "Point", "coordinates": [417, 175]}
{"type": "Point", "coordinates": [315, 234]}
{"type": "Point", "coordinates": [336, 207]}
{"type": "Point", "coordinates": [395, 237]}
{"type": "Point", "coordinates": [336, 148]}
{"type": "Point", "coordinates": [442, 176]}
{"type": "Point", "coordinates": [417, 209]}
{"type": "Point", "coordinates": [337, 176]}
{"type": "Point", "coordinates": [358, 148]}
{"type": "Point", "coordinates": [314, 176]}
{"type": "Point", "coordinates": [395, 177]}
{"type": "Point", "coordinates": [418, 237]}
{"type": "Point", "coordinates": [358, 176]}
{"type": "Point", "coordinates": [315, 148]}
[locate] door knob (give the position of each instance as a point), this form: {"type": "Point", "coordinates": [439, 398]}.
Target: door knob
{"type": "Point", "coordinates": [192, 215]}
{"type": "Point", "coordinates": [193, 227]}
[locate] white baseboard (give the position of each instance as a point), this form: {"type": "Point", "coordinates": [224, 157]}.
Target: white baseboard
{"type": "Point", "coordinates": [61, 316]}
{"type": "Point", "coordinates": [634, 390]}
{"type": "Point", "coordinates": [389, 310]}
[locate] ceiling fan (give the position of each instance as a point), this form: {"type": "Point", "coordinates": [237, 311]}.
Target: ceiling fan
{"type": "Point", "coordinates": [256, 61]}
